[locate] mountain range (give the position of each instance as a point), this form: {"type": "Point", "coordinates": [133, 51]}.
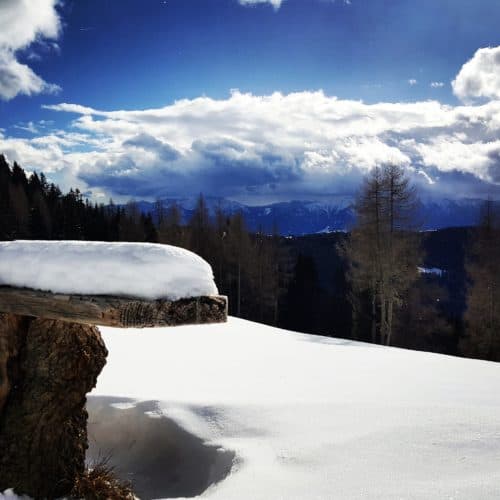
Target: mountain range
{"type": "Point", "coordinates": [312, 217]}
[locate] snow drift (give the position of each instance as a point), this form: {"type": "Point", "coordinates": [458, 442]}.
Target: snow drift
{"type": "Point", "coordinates": [253, 412]}
{"type": "Point", "coordinates": [312, 417]}
{"type": "Point", "coordinates": [145, 270]}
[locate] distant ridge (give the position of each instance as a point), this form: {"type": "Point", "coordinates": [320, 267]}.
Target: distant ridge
{"type": "Point", "coordinates": [310, 217]}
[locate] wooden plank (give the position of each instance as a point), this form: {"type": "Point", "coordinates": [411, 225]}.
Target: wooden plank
{"type": "Point", "coordinates": [122, 312]}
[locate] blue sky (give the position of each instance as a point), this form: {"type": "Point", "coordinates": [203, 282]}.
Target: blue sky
{"type": "Point", "coordinates": [253, 100]}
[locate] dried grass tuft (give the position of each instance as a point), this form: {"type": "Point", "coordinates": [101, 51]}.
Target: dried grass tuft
{"type": "Point", "coordinates": [100, 483]}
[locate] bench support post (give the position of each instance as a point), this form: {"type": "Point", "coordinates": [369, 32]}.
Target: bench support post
{"type": "Point", "coordinates": [46, 369]}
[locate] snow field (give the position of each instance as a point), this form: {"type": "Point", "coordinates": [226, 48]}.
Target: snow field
{"type": "Point", "coordinates": [318, 418]}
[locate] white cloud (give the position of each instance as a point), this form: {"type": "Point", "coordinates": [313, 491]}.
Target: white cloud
{"type": "Point", "coordinates": [412, 82]}
{"type": "Point", "coordinates": [437, 85]}
{"type": "Point", "coordinates": [275, 3]}
{"type": "Point", "coordinates": [72, 108]}
{"type": "Point", "coordinates": [27, 127]}
{"type": "Point", "coordinates": [303, 144]}
{"type": "Point", "coordinates": [480, 76]}
{"type": "Point", "coordinates": [344, 2]}
{"type": "Point", "coordinates": [23, 22]}
{"type": "Point", "coordinates": [449, 153]}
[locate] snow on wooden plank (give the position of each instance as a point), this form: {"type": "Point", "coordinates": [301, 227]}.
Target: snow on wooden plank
{"type": "Point", "coordinates": [146, 270]}
{"type": "Point", "coordinates": [110, 284]}
{"type": "Point", "coordinates": [123, 312]}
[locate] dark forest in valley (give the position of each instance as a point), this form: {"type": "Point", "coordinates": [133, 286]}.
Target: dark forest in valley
{"type": "Point", "coordinates": [385, 282]}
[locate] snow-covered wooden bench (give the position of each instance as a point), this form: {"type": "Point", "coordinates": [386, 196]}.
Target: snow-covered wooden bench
{"type": "Point", "coordinates": [52, 297]}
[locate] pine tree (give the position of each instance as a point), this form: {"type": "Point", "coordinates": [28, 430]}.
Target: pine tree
{"type": "Point", "coordinates": [200, 241]}
{"type": "Point", "coordinates": [7, 217]}
{"type": "Point", "coordinates": [302, 296]}
{"type": "Point", "coordinates": [239, 257]}
{"type": "Point", "coordinates": [170, 229]}
{"type": "Point", "coordinates": [131, 227]}
{"type": "Point", "coordinates": [483, 298]}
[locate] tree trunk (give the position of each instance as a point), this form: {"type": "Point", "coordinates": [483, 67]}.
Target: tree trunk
{"type": "Point", "coordinates": [390, 313]}
{"type": "Point", "coordinates": [374, 318]}
{"type": "Point", "coordinates": [275, 311]}
{"type": "Point", "coordinates": [238, 306]}
{"type": "Point", "coordinates": [46, 369]}
{"type": "Point", "coordinates": [383, 319]}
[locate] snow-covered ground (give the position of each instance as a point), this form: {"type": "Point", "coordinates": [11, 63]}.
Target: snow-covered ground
{"type": "Point", "coordinates": [431, 270]}
{"type": "Point", "coordinates": [316, 418]}
{"type": "Point", "coordinates": [143, 270]}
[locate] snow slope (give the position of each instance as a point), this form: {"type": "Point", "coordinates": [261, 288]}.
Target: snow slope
{"type": "Point", "coordinates": [318, 418]}
{"type": "Point", "coordinates": [144, 270]}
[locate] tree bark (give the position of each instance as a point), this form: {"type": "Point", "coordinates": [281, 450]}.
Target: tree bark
{"type": "Point", "coordinates": [46, 369]}
{"type": "Point", "coordinates": [12, 333]}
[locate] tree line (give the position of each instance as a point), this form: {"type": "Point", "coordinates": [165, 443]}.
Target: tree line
{"type": "Point", "coordinates": [482, 317]}
{"type": "Point", "coordinates": [248, 268]}
{"type": "Point", "coordinates": [394, 301]}
{"type": "Point", "coordinates": [376, 292]}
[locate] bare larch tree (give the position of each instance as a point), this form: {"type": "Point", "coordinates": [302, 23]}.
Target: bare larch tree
{"type": "Point", "coordinates": [382, 250]}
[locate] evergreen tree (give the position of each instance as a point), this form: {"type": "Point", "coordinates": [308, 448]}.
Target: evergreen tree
{"type": "Point", "coordinates": [200, 230]}
{"type": "Point", "coordinates": [170, 227]}
{"type": "Point", "coordinates": [302, 297]}
{"type": "Point", "coordinates": [483, 298]}
{"type": "Point", "coordinates": [7, 217]}
{"type": "Point", "coordinates": [247, 267]}
{"type": "Point", "coordinates": [132, 226]}
{"type": "Point", "coordinates": [238, 244]}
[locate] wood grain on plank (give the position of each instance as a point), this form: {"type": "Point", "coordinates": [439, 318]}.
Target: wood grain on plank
{"type": "Point", "coordinates": [122, 312]}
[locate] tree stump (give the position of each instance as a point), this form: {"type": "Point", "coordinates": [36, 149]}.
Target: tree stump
{"type": "Point", "coordinates": [46, 369]}
{"type": "Point", "coordinates": [50, 356]}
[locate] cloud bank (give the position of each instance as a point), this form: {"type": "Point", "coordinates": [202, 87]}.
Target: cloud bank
{"type": "Point", "coordinates": [22, 23]}
{"type": "Point", "coordinates": [479, 77]}
{"type": "Point", "coordinates": [300, 145]}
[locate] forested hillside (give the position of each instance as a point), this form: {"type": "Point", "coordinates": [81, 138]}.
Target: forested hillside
{"type": "Point", "coordinates": [299, 283]}
{"type": "Point", "coordinates": [249, 268]}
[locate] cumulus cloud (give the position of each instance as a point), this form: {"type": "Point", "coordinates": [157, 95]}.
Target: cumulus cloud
{"type": "Point", "coordinates": [22, 23]}
{"type": "Point", "coordinates": [297, 145]}
{"type": "Point", "coordinates": [148, 143]}
{"type": "Point", "coordinates": [412, 82]}
{"type": "Point", "coordinates": [480, 76]}
{"type": "Point", "coordinates": [436, 85]}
